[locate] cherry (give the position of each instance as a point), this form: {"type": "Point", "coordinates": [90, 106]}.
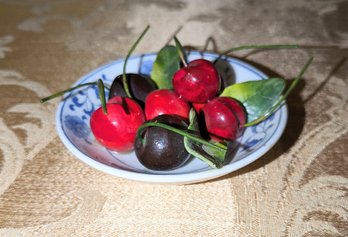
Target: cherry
{"type": "Point", "coordinates": [116, 130]}
{"type": "Point", "coordinates": [165, 101]}
{"type": "Point", "coordinates": [139, 86]}
{"type": "Point", "coordinates": [224, 118]}
{"type": "Point", "coordinates": [197, 82]}
{"type": "Point", "coordinates": [198, 106]}
{"type": "Point", "coordinates": [160, 149]}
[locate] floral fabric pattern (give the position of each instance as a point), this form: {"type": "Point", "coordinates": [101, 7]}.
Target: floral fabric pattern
{"type": "Point", "coordinates": [299, 188]}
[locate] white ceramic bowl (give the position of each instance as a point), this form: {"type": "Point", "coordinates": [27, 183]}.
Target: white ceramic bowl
{"type": "Point", "coordinates": [73, 114]}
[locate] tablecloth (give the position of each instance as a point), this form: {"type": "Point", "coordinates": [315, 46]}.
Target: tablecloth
{"type": "Point", "coordinates": [298, 188]}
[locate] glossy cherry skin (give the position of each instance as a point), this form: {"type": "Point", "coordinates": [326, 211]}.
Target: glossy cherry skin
{"type": "Point", "coordinates": [198, 82]}
{"type": "Point", "coordinates": [224, 118]}
{"type": "Point", "coordinates": [139, 85]}
{"type": "Point", "coordinates": [161, 149]}
{"type": "Point", "coordinates": [165, 101]}
{"type": "Point", "coordinates": [198, 106]}
{"type": "Point", "coordinates": [117, 129]}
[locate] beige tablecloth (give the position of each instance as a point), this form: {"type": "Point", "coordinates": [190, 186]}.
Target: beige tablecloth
{"type": "Point", "coordinates": [299, 188]}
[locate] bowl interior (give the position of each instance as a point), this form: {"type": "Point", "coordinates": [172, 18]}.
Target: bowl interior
{"type": "Point", "coordinates": [74, 112]}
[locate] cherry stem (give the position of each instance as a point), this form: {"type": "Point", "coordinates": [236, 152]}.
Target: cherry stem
{"type": "Point", "coordinates": [266, 46]}
{"type": "Point", "coordinates": [101, 93]}
{"type": "Point", "coordinates": [60, 93]}
{"type": "Point", "coordinates": [124, 77]}
{"type": "Point", "coordinates": [282, 98]}
{"type": "Point", "coordinates": [182, 133]}
{"type": "Point", "coordinates": [270, 46]}
{"type": "Point", "coordinates": [181, 51]}
{"type": "Point", "coordinates": [297, 79]}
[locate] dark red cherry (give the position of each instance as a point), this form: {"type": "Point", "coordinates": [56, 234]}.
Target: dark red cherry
{"type": "Point", "coordinates": [140, 86]}
{"type": "Point", "coordinates": [117, 129]}
{"type": "Point", "coordinates": [161, 149]}
{"type": "Point", "coordinates": [198, 82]}
{"type": "Point", "coordinates": [165, 101]}
{"type": "Point", "coordinates": [224, 118]}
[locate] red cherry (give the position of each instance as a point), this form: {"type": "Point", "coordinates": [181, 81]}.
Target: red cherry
{"type": "Point", "coordinates": [165, 101]}
{"type": "Point", "coordinates": [198, 82]}
{"type": "Point", "coordinates": [224, 118]}
{"type": "Point", "coordinates": [117, 129]}
{"type": "Point", "coordinates": [198, 106]}
{"type": "Point", "coordinates": [236, 107]}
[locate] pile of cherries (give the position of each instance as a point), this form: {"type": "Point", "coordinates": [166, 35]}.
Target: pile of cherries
{"type": "Point", "coordinates": [157, 122]}
{"type": "Point", "coordinates": [195, 85]}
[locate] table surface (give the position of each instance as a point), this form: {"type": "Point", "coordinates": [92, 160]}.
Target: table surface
{"type": "Point", "coordinates": [299, 188]}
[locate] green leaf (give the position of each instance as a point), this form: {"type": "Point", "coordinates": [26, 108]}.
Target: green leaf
{"type": "Point", "coordinates": [258, 97]}
{"type": "Point", "coordinates": [214, 156]}
{"type": "Point", "coordinates": [166, 64]}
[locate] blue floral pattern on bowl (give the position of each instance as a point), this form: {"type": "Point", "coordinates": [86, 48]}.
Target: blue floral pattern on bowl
{"type": "Point", "coordinates": [77, 125]}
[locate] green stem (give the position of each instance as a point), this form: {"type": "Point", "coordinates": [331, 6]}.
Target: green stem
{"type": "Point", "coordinates": [60, 93]}
{"type": "Point", "coordinates": [266, 46]}
{"type": "Point", "coordinates": [181, 51]}
{"type": "Point", "coordinates": [297, 79]}
{"type": "Point", "coordinates": [282, 98]}
{"type": "Point", "coordinates": [270, 46]}
{"type": "Point", "coordinates": [124, 77]}
{"type": "Point", "coordinates": [182, 133]}
{"type": "Point", "coordinates": [101, 92]}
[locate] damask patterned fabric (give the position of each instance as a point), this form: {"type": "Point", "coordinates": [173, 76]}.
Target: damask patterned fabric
{"type": "Point", "coordinates": [299, 188]}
